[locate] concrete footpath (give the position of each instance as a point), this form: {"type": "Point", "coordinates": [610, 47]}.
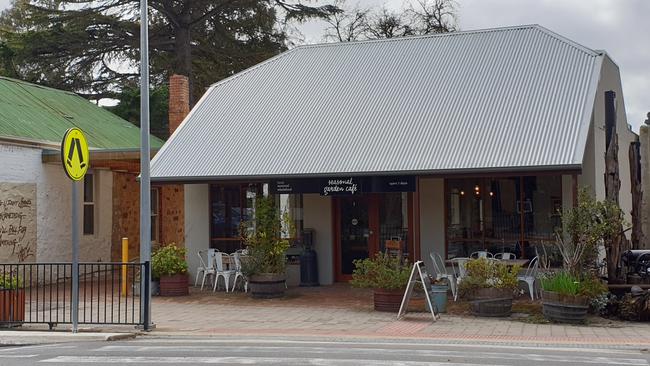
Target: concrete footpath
{"type": "Point", "coordinates": [342, 312]}
{"type": "Point", "coordinates": [15, 337]}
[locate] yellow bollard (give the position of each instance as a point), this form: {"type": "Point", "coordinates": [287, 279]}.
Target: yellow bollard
{"type": "Point", "coordinates": [125, 259]}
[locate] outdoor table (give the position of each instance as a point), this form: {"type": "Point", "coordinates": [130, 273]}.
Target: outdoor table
{"type": "Point", "coordinates": [514, 262]}
{"type": "Point", "coordinates": [508, 262]}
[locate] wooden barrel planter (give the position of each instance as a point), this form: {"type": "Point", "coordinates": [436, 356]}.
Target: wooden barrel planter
{"type": "Point", "coordinates": [176, 285]}
{"type": "Point", "coordinates": [387, 300]}
{"type": "Point", "coordinates": [267, 285]}
{"type": "Point", "coordinates": [12, 306]}
{"type": "Point", "coordinates": [564, 308]}
{"type": "Point", "coordinates": [491, 302]}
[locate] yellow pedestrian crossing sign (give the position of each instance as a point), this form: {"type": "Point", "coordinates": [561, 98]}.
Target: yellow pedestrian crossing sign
{"type": "Point", "coordinates": [74, 154]}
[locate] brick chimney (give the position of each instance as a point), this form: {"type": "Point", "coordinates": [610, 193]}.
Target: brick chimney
{"type": "Point", "coordinates": [179, 100]}
{"type": "Point", "coordinates": [172, 214]}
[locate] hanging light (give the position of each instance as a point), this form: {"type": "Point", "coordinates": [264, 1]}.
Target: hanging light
{"type": "Point", "coordinates": [491, 194]}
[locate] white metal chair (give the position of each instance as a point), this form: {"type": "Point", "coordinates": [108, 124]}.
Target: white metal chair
{"type": "Point", "coordinates": [505, 256]}
{"type": "Point", "coordinates": [238, 272]}
{"type": "Point", "coordinates": [460, 271]}
{"type": "Point", "coordinates": [441, 272]}
{"type": "Point", "coordinates": [481, 254]}
{"type": "Point", "coordinates": [531, 276]}
{"type": "Point", "coordinates": [207, 266]}
{"type": "Point", "coordinates": [221, 271]}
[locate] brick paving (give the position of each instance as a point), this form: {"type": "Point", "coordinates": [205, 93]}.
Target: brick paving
{"type": "Point", "coordinates": [340, 311]}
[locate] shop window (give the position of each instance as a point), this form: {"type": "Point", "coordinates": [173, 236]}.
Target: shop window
{"type": "Point", "coordinates": [155, 215]}
{"type": "Point", "coordinates": [393, 220]}
{"type": "Point", "coordinates": [89, 204]}
{"type": "Point", "coordinates": [231, 211]}
{"type": "Point", "coordinates": [509, 214]}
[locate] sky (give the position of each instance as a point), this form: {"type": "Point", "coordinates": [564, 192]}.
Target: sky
{"type": "Point", "coordinates": [620, 27]}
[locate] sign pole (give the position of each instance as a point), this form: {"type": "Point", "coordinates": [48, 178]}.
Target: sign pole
{"type": "Point", "coordinates": [145, 182]}
{"type": "Point", "coordinates": [75, 257]}
{"type": "Point", "coordinates": [75, 159]}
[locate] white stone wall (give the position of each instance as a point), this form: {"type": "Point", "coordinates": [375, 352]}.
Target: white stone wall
{"type": "Point", "coordinates": [197, 224]}
{"type": "Point", "coordinates": [317, 215]}
{"type": "Point", "coordinates": [432, 218]}
{"type": "Point", "coordinates": [21, 164]}
{"type": "Point", "coordinates": [594, 160]}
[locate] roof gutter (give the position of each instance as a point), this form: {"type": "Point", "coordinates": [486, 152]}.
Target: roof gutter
{"type": "Point", "coordinates": [528, 170]}
{"type": "Point", "coordinates": [54, 156]}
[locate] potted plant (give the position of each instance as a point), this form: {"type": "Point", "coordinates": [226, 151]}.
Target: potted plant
{"type": "Point", "coordinates": [566, 298]}
{"type": "Point", "coordinates": [387, 275]}
{"type": "Point", "coordinates": [168, 263]}
{"type": "Point", "coordinates": [566, 295]}
{"type": "Point", "coordinates": [489, 285]}
{"type": "Point", "coordinates": [265, 265]}
{"type": "Point", "coordinates": [12, 300]}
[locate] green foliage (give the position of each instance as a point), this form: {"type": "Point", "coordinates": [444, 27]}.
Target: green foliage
{"type": "Point", "coordinates": [585, 226]}
{"type": "Point", "coordinates": [92, 46]}
{"type": "Point", "coordinates": [566, 283]}
{"type": "Point", "coordinates": [592, 287]}
{"type": "Point", "coordinates": [487, 273]}
{"type": "Point", "coordinates": [382, 272]}
{"type": "Point", "coordinates": [9, 282]}
{"type": "Point", "coordinates": [562, 282]}
{"type": "Point", "coordinates": [168, 260]}
{"type": "Point", "coordinates": [129, 109]}
{"type": "Point", "coordinates": [266, 247]}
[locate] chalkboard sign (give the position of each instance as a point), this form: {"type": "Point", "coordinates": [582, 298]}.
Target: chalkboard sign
{"type": "Point", "coordinates": [418, 275]}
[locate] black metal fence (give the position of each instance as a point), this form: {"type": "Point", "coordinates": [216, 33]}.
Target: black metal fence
{"type": "Point", "coordinates": [109, 293]}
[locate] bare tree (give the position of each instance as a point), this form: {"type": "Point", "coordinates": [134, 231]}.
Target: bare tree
{"type": "Point", "coordinates": [347, 25]}
{"type": "Point", "coordinates": [418, 18]}
{"type": "Point", "coordinates": [434, 16]}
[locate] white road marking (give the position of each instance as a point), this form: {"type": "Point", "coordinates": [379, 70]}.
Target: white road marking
{"type": "Point", "coordinates": [17, 356]}
{"type": "Point", "coordinates": [22, 348]}
{"type": "Point", "coordinates": [389, 352]}
{"type": "Point", "coordinates": [250, 361]}
{"type": "Point", "coordinates": [400, 344]}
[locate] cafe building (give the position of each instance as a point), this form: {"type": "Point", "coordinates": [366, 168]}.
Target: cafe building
{"type": "Point", "coordinates": [446, 143]}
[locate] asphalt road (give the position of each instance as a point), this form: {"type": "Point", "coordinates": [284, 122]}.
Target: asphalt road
{"type": "Point", "coordinates": [267, 351]}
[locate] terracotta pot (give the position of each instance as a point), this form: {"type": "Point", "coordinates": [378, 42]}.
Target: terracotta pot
{"type": "Point", "coordinates": [175, 285]}
{"type": "Point", "coordinates": [267, 285]}
{"type": "Point", "coordinates": [388, 300]}
{"type": "Point", "coordinates": [564, 308]}
{"type": "Point", "coordinates": [12, 306]}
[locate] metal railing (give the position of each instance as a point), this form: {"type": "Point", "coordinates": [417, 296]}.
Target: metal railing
{"type": "Point", "coordinates": [42, 293]}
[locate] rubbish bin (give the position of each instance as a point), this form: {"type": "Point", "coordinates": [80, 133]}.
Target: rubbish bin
{"type": "Point", "coordinates": [308, 260]}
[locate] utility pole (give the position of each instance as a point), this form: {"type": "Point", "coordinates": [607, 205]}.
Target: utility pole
{"type": "Point", "coordinates": [145, 182]}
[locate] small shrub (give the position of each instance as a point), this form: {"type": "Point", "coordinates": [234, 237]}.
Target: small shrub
{"type": "Point", "coordinates": [9, 282]}
{"type": "Point", "coordinates": [562, 283]}
{"type": "Point", "coordinates": [486, 273]}
{"type": "Point", "coordinates": [168, 260]}
{"type": "Point", "coordinates": [567, 284]}
{"type": "Point", "coordinates": [382, 272]}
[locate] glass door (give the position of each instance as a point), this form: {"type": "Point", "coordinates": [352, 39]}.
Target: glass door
{"type": "Point", "coordinates": [356, 234]}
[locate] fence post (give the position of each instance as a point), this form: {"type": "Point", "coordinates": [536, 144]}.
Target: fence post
{"type": "Point", "coordinates": [125, 259]}
{"type": "Point", "coordinates": [145, 300]}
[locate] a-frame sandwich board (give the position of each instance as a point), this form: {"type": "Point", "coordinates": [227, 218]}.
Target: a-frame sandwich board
{"type": "Point", "coordinates": [418, 274]}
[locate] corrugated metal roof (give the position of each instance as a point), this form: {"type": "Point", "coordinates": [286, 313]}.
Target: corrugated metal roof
{"type": "Point", "coordinates": [37, 113]}
{"type": "Point", "coordinates": [506, 98]}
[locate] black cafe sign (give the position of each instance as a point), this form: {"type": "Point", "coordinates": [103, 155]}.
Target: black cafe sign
{"type": "Point", "coordinates": [344, 186]}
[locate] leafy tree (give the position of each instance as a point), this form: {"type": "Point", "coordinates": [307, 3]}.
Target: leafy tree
{"type": "Point", "coordinates": [129, 108]}
{"type": "Point", "coordinates": [92, 46]}
{"type": "Point", "coordinates": [419, 18]}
